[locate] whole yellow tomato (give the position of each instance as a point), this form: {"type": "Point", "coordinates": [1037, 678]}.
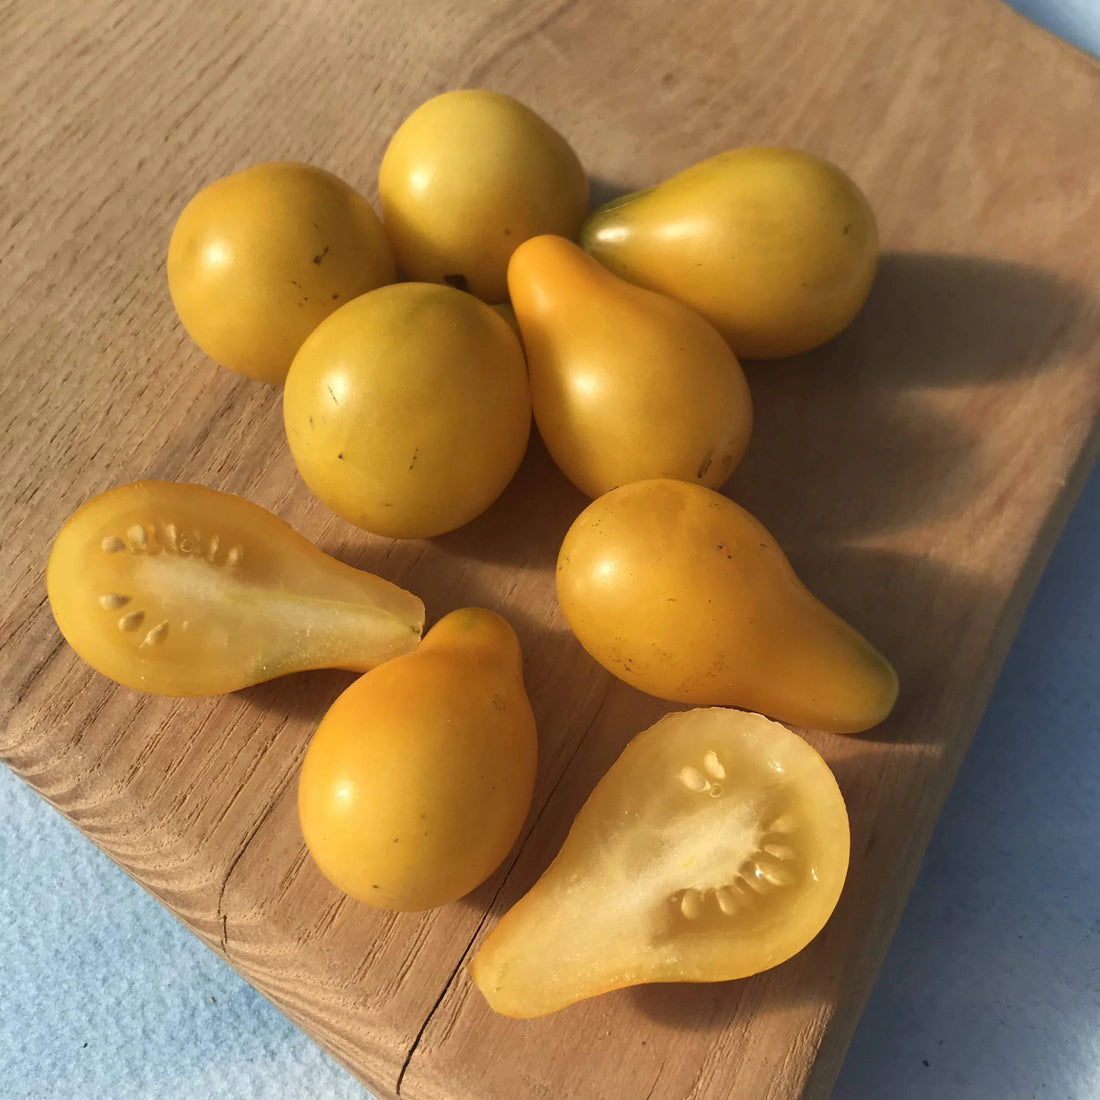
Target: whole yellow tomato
{"type": "Point", "coordinates": [715, 847]}
{"type": "Point", "coordinates": [683, 594]}
{"type": "Point", "coordinates": [419, 777]}
{"type": "Point", "coordinates": [626, 384]}
{"type": "Point", "coordinates": [181, 590]}
{"type": "Point", "coordinates": [408, 410]}
{"type": "Point", "coordinates": [258, 259]}
{"type": "Point", "coordinates": [777, 248]}
{"type": "Point", "coordinates": [467, 177]}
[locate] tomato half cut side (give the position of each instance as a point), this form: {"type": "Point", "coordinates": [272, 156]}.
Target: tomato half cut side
{"type": "Point", "coordinates": [715, 847]}
{"type": "Point", "coordinates": [177, 589]}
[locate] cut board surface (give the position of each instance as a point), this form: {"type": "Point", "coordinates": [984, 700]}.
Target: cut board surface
{"type": "Point", "coordinates": [917, 469]}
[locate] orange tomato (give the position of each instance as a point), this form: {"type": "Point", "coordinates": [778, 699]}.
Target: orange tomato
{"type": "Point", "coordinates": [419, 777]}
{"type": "Point", "coordinates": [625, 384]}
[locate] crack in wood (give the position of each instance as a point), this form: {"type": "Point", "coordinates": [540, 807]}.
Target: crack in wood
{"type": "Point", "coordinates": [478, 76]}
{"type": "Point", "coordinates": [656, 1081]}
{"type": "Point", "coordinates": [504, 882]}
{"type": "Point", "coordinates": [24, 686]}
{"type": "Point", "coordinates": [220, 915]}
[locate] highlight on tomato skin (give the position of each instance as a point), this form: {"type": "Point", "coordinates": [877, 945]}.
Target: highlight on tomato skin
{"type": "Point", "coordinates": [683, 594]}
{"type": "Point", "coordinates": [776, 247]}
{"type": "Point", "coordinates": [715, 847]}
{"type": "Point", "coordinates": [177, 589]}
{"type": "Point", "coordinates": [626, 384]}
{"type": "Point", "coordinates": [259, 258]}
{"type": "Point", "coordinates": [419, 778]}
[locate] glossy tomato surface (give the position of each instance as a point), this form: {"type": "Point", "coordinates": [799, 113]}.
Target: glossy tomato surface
{"type": "Point", "coordinates": [258, 259]}
{"type": "Point", "coordinates": [777, 248]}
{"type": "Point", "coordinates": [680, 592]}
{"type": "Point", "coordinates": [408, 410]}
{"type": "Point", "coordinates": [626, 384]}
{"type": "Point", "coordinates": [419, 777]}
{"type": "Point", "coordinates": [467, 177]}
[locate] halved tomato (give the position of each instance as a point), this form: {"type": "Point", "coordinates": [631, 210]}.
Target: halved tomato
{"type": "Point", "coordinates": [181, 590]}
{"type": "Point", "coordinates": [714, 848]}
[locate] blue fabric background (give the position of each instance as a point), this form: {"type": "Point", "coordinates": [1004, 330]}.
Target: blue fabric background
{"type": "Point", "coordinates": [991, 988]}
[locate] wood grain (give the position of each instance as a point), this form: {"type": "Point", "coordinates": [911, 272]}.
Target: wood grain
{"type": "Point", "coordinates": [917, 469]}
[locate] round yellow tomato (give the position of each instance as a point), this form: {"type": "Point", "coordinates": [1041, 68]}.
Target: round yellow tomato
{"type": "Point", "coordinates": [777, 248]}
{"type": "Point", "coordinates": [715, 847]}
{"type": "Point", "coordinates": [419, 778]}
{"type": "Point", "coordinates": [680, 592]}
{"type": "Point", "coordinates": [178, 589]}
{"type": "Point", "coordinates": [258, 259]}
{"type": "Point", "coordinates": [408, 410]}
{"type": "Point", "coordinates": [467, 177]}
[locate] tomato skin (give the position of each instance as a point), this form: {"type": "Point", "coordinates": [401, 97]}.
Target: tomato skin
{"type": "Point", "coordinates": [680, 592]}
{"type": "Point", "coordinates": [626, 384]}
{"type": "Point", "coordinates": [715, 847]}
{"type": "Point", "coordinates": [419, 778]}
{"type": "Point", "coordinates": [467, 177]}
{"type": "Point", "coordinates": [777, 248]}
{"type": "Point", "coordinates": [178, 589]}
{"type": "Point", "coordinates": [408, 410]}
{"type": "Point", "coordinates": [259, 258]}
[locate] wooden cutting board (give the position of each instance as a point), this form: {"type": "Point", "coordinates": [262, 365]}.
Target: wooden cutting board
{"type": "Point", "coordinates": [918, 469]}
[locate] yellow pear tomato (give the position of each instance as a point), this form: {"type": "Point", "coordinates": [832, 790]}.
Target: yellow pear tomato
{"type": "Point", "coordinates": [181, 590]}
{"type": "Point", "coordinates": [418, 779]}
{"type": "Point", "coordinates": [683, 594]}
{"type": "Point", "coordinates": [626, 384]}
{"type": "Point", "coordinates": [777, 248]}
